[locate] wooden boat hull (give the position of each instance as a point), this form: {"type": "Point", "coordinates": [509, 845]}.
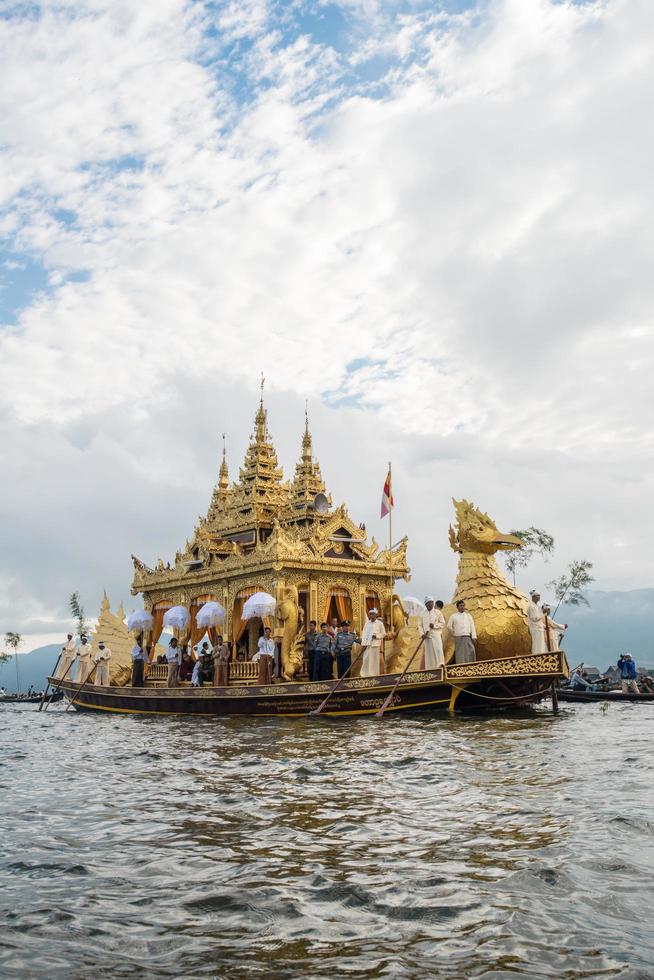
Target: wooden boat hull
{"type": "Point", "coordinates": [487, 685]}
{"type": "Point", "coordinates": [590, 697]}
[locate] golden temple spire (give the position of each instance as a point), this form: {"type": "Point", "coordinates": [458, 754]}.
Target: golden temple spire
{"type": "Point", "coordinates": [223, 478]}
{"type": "Point", "coordinates": [308, 480]}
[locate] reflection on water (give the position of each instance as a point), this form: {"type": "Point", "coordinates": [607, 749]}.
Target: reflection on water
{"type": "Point", "coordinates": [406, 847]}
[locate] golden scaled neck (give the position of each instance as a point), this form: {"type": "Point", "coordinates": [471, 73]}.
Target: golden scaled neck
{"type": "Point", "coordinates": [482, 570]}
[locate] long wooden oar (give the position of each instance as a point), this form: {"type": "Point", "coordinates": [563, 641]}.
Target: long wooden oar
{"type": "Point", "coordinates": [48, 684]}
{"type": "Point", "coordinates": [61, 680]}
{"type": "Point", "coordinates": [356, 660]}
{"type": "Point", "coordinates": [387, 702]}
{"type": "Point", "coordinates": [87, 680]}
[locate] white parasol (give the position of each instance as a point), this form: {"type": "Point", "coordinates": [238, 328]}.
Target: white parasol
{"type": "Point", "coordinates": [177, 618]}
{"type": "Point", "coordinates": [260, 604]}
{"type": "Point", "coordinates": [210, 614]}
{"type": "Point", "coordinates": [139, 621]}
{"type": "Point", "coordinates": [412, 605]}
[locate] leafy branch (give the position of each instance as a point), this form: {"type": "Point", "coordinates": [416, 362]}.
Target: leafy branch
{"type": "Point", "coordinates": [568, 588]}
{"type": "Point", "coordinates": [77, 610]}
{"type": "Point", "coordinates": [535, 541]}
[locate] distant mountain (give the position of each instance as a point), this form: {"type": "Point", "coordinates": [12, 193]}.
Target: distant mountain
{"type": "Point", "coordinates": [614, 623]}
{"type": "Point", "coordinates": [34, 668]}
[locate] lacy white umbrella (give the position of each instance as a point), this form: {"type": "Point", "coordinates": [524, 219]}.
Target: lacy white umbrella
{"type": "Point", "coordinates": [412, 605]}
{"type": "Point", "coordinates": [140, 621]}
{"type": "Point", "coordinates": [260, 604]}
{"type": "Point", "coordinates": [177, 618]}
{"type": "Point", "coordinates": [210, 614]}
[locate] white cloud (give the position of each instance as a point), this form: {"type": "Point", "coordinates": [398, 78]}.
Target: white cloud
{"type": "Point", "coordinates": [466, 258]}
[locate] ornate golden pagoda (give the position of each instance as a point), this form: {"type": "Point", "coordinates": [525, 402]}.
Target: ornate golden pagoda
{"type": "Point", "coordinates": [264, 534]}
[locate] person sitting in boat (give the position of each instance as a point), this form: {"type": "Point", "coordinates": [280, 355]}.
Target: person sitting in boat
{"type": "Point", "coordinates": [186, 667]}
{"type": "Point", "coordinates": [628, 674]}
{"type": "Point", "coordinates": [372, 637]}
{"type": "Point", "coordinates": [265, 656]}
{"type": "Point", "coordinates": [578, 680]}
{"type": "Point", "coordinates": [647, 685]}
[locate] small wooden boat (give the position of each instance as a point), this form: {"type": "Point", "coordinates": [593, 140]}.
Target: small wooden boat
{"type": "Point", "coordinates": [482, 686]}
{"type": "Point", "coordinates": [589, 697]}
{"type": "Point", "coordinates": [31, 698]}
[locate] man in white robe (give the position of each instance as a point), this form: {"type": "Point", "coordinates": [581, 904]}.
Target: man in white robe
{"type": "Point", "coordinates": [536, 618]}
{"type": "Point", "coordinates": [552, 631]}
{"type": "Point", "coordinates": [102, 658]}
{"type": "Point", "coordinates": [372, 636]}
{"type": "Point", "coordinates": [68, 655]}
{"type": "Point", "coordinates": [462, 627]}
{"type": "Point", "coordinates": [83, 661]}
{"type": "Point", "coordinates": [432, 624]}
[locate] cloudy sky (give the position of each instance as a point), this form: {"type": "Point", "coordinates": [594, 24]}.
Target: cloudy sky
{"type": "Point", "coordinates": [434, 221]}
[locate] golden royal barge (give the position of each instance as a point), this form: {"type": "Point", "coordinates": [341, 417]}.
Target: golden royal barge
{"type": "Point", "coordinates": [262, 533]}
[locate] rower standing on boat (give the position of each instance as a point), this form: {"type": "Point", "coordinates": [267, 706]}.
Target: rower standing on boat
{"type": "Point", "coordinates": [68, 655]}
{"type": "Point", "coordinates": [139, 657]}
{"type": "Point", "coordinates": [84, 660]}
{"type": "Point", "coordinates": [462, 626]}
{"type": "Point", "coordinates": [221, 656]}
{"type": "Point", "coordinates": [102, 658]}
{"type": "Point", "coordinates": [265, 656]}
{"type": "Point", "coordinates": [432, 624]}
{"type": "Point", "coordinates": [536, 618]}
{"type": "Point", "coordinates": [371, 639]}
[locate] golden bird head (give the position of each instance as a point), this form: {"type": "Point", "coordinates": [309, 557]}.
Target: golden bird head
{"type": "Point", "coordinates": [477, 532]}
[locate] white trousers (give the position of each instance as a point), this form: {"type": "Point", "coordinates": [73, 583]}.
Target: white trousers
{"type": "Point", "coordinates": [82, 669]}
{"type": "Point", "coordinates": [433, 652]}
{"type": "Point", "coordinates": [371, 663]}
{"type": "Point", "coordinates": [102, 674]}
{"type": "Point", "coordinates": [63, 670]}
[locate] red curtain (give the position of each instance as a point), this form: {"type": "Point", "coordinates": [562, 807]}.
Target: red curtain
{"type": "Point", "coordinates": [157, 624]}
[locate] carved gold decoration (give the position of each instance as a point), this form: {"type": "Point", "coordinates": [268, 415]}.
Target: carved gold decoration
{"type": "Point", "coordinates": [537, 664]}
{"type": "Point", "coordinates": [497, 607]}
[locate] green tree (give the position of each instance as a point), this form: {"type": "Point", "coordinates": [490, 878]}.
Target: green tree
{"type": "Point", "coordinates": [77, 610]}
{"type": "Point", "coordinates": [535, 542]}
{"type": "Point", "coordinates": [568, 588]}
{"type": "Point", "coordinates": [14, 640]}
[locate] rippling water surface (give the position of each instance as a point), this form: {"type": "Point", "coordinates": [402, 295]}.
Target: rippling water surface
{"type": "Point", "coordinates": [422, 846]}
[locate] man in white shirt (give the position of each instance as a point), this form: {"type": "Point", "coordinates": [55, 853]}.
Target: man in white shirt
{"type": "Point", "coordinates": [102, 658]}
{"type": "Point", "coordinates": [83, 661]}
{"type": "Point", "coordinates": [536, 618]}
{"type": "Point", "coordinates": [265, 656]}
{"type": "Point", "coordinates": [173, 659]}
{"type": "Point", "coordinates": [68, 654]}
{"type": "Point", "coordinates": [371, 640]}
{"type": "Point", "coordinates": [462, 627]}
{"type": "Point", "coordinates": [552, 632]}
{"type": "Point", "coordinates": [432, 624]}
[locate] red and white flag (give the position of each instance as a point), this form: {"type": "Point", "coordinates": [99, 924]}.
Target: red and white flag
{"type": "Point", "coordinates": [387, 496]}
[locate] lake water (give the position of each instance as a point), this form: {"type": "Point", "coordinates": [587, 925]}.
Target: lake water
{"type": "Point", "coordinates": [422, 846]}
